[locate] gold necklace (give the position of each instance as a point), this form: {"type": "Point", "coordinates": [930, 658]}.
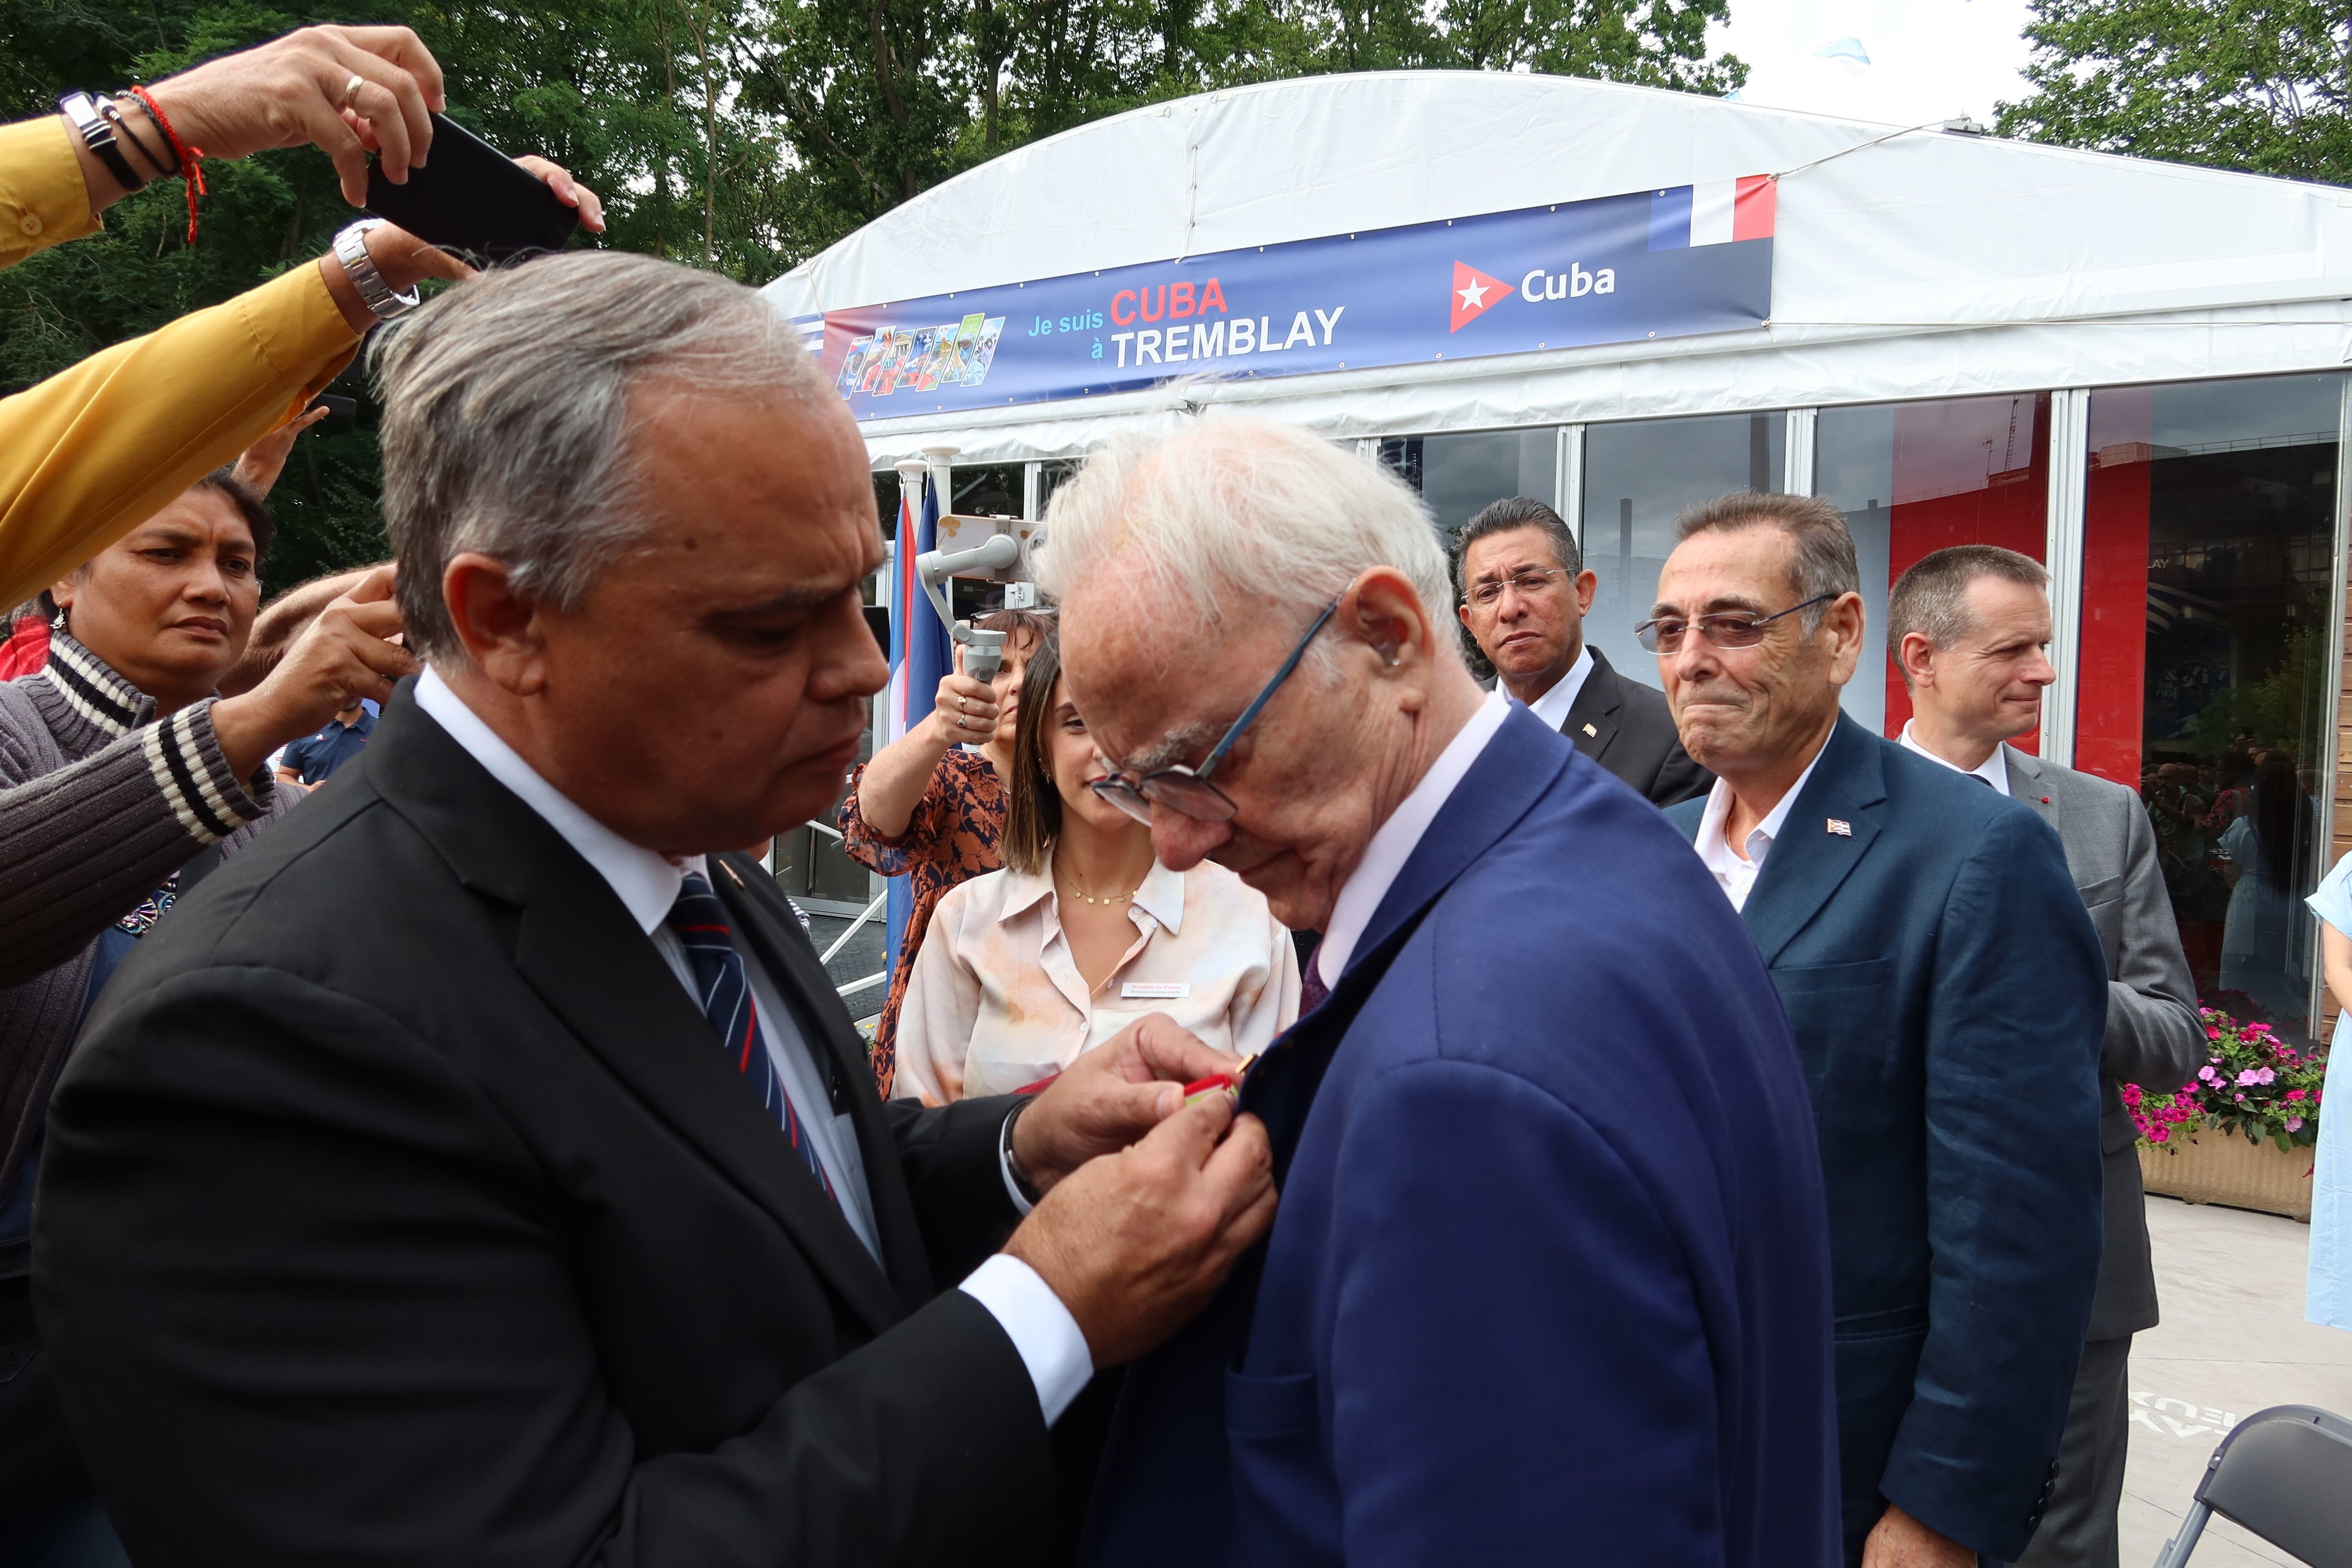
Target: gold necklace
{"type": "Point", "coordinates": [1079, 888]}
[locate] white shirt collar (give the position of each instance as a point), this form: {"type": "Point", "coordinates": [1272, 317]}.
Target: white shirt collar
{"type": "Point", "coordinates": [1553, 705]}
{"type": "Point", "coordinates": [1993, 770]}
{"type": "Point", "coordinates": [645, 880]}
{"type": "Point", "coordinates": [1394, 841]}
{"type": "Point", "coordinates": [1735, 874]}
{"type": "Point", "coordinates": [1160, 894]}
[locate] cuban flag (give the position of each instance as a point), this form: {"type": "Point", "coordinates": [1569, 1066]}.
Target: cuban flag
{"type": "Point", "coordinates": [1713, 212]}
{"type": "Point", "coordinates": [920, 658]}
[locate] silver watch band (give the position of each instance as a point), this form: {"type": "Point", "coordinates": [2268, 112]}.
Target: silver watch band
{"type": "Point", "coordinates": [351, 249]}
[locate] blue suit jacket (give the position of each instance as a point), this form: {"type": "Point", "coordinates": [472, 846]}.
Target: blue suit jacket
{"type": "Point", "coordinates": [1950, 998]}
{"type": "Point", "coordinates": [1550, 1266]}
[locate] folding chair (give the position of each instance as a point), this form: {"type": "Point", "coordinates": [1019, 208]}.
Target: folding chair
{"type": "Point", "coordinates": [2285, 1473]}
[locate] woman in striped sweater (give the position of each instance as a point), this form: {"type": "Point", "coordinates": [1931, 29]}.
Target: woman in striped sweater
{"type": "Point", "coordinates": [118, 767]}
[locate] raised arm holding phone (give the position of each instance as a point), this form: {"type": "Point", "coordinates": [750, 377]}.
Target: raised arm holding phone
{"type": "Point", "coordinates": [89, 453]}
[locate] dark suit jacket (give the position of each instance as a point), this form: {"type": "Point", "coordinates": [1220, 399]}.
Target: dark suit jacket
{"type": "Point", "coordinates": [1948, 1000]}
{"type": "Point", "coordinates": [1550, 1263]}
{"type": "Point", "coordinates": [398, 1209]}
{"type": "Point", "coordinates": [1627, 728]}
{"type": "Point", "coordinates": [2154, 1038]}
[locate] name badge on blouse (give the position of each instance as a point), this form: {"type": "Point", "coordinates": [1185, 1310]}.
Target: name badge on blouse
{"type": "Point", "coordinates": [1155, 990]}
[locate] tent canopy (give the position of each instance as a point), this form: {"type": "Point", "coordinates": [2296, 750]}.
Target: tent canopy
{"type": "Point", "coordinates": [1928, 264]}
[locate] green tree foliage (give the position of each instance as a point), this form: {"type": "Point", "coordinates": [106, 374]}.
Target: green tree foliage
{"type": "Point", "coordinates": [735, 135]}
{"type": "Point", "coordinates": [2260, 85]}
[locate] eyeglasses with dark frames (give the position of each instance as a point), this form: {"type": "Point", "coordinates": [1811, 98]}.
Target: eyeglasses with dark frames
{"type": "Point", "coordinates": [1187, 791]}
{"type": "Point", "coordinates": [1724, 628]}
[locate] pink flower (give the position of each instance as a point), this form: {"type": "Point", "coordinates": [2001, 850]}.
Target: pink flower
{"type": "Point", "coordinates": [2157, 1135]}
{"type": "Point", "coordinates": [2295, 1094]}
{"type": "Point", "coordinates": [2238, 1097]}
{"type": "Point", "coordinates": [2207, 1074]}
{"type": "Point", "coordinates": [2295, 1124]}
{"type": "Point", "coordinates": [2212, 1032]}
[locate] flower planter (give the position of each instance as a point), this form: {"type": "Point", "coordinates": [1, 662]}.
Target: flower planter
{"type": "Point", "coordinates": [2218, 1167]}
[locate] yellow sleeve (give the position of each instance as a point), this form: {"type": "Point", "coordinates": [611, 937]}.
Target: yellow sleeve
{"type": "Point", "coordinates": [99, 447]}
{"type": "Point", "coordinates": [43, 198]}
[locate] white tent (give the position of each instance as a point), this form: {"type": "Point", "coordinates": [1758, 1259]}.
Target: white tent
{"type": "Point", "coordinates": [1921, 264]}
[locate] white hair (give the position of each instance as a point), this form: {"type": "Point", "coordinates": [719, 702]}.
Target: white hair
{"type": "Point", "coordinates": [1232, 513]}
{"type": "Point", "coordinates": [505, 415]}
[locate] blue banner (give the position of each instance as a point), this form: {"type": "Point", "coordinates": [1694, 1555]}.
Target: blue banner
{"type": "Point", "coordinates": [1654, 264]}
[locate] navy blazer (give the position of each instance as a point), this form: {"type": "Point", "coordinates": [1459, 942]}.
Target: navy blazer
{"type": "Point", "coordinates": [1550, 1265]}
{"type": "Point", "coordinates": [1950, 998]}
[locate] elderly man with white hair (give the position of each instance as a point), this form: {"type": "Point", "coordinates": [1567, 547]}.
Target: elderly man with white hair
{"type": "Point", "coordinates": [1550, 1278]}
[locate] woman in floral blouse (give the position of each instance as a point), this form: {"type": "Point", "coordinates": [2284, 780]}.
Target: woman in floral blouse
{"type": "Point", "coordinates": [931, 805]}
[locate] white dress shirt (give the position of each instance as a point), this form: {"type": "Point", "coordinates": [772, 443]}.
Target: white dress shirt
{"type": "Point", "coordinates": [1048, 1339]}
{"type": "Point", "coordinates": [1553, 705]}
{"type": "Point", "coordinates": [997, 1001]}
{"type": "Point", "coordinates": [1993, 770]}
{"type": "Point", "coordinates": [1735, 874]}
{"type": "Point", "coordinates": [1393, 843]}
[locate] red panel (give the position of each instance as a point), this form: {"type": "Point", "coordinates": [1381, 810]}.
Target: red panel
{"type": "Point", "coordinates": [2109, 706]}
{"type": "Point", "coordinates": [1752, 206]}
{"type": "Point", "coordinates": [1975, 472]}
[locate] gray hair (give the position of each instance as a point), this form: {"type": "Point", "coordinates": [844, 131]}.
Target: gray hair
{"type": "Point", "coordinates": [1231, 511]}
{"type": "Point", "coordinates": [505, 415]}
{"type": "Point", "coordinates": [1932, 597]}
{"type": "Point", "coordinates": [1824, 566]}
{"type": "Point", "coordinates": [1510, 515]}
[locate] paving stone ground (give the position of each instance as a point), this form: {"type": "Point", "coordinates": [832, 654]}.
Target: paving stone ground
{"type": "Point", "coordinates": [2233, 1340]}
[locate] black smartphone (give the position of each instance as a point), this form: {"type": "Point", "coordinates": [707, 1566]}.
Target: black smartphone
{"type": "Point", "coordinates": [473, 201]}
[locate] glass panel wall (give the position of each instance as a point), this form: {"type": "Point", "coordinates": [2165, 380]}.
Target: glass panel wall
{"type": "Point", "coordinates": [1459, 474]}
{"type": "Point", "coordinates": [2208, 528]}
{"type": "Point", "coordinates": [1912, 477]}
{"type": "Point", "coordinates": [990, 492]}
{"type": "Point", "coordinates": [1638, 477]}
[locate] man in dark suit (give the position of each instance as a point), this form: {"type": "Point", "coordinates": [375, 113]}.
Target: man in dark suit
{"type": "Point", "coordinates": [484, 1171]}
{"type": "Point", "coordinates": [1948, 999]}
{"type": "Point", "coordinates": [1969, 628]}
{"type": "Point", "coordinates": [1525, 593]}
{"type": "Point", "coordinates": [1550, 1266]}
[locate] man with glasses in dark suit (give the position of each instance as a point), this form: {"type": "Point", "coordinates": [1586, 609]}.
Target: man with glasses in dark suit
{"type": "Point", "coordinates": [1948, 999]}
{"type": "Point", "coordinates": [1525, 594]}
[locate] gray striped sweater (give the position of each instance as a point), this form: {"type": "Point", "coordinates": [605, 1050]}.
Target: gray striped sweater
{"type": "Point", "coordinates": [100, 804]}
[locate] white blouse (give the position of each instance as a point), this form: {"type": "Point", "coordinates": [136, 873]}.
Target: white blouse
{"type": "Point", "coordinates": [996, 1002]}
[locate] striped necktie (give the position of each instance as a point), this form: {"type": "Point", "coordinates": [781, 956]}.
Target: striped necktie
{"type": "Point", "coordinates": [701, 921]}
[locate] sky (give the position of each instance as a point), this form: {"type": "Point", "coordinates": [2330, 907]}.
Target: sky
{"type": "Point", "coordinates": [1926, 60]}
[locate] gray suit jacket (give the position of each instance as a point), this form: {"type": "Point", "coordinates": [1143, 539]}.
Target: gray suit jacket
{"type": "Point", "coordinates": [2154, 1038]}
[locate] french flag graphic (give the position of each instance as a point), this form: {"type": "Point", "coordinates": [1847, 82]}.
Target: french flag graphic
{"type": "Point", "coordinates": [1713, 212]}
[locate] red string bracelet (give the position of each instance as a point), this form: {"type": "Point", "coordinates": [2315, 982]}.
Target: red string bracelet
{"type": "Point", "coordinates": [191, 169]}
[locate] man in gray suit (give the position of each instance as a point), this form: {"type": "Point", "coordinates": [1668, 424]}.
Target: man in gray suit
{"type": "Point", "coordinates": [1969, 628]}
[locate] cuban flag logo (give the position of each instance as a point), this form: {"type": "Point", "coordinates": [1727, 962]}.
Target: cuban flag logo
{"type": "Point", "coordinates": [1475, 294]}
{"type": "Point", "coordinates": [1713, 212]}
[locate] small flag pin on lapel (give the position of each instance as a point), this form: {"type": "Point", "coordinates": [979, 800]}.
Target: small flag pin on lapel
{"type": "Point", "coordinates": [1842, 827]}
{"type": "Point", "coordinates": [1589, 729]}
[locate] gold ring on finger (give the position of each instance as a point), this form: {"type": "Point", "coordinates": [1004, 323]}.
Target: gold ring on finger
{"type": "Point", "coordinates": [351, 89]}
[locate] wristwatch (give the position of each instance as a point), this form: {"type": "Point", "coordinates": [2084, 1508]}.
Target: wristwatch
{"type": "Point", "coordinates": [99, 137]}
{"type": "Point", "coordinates": [351, 249]}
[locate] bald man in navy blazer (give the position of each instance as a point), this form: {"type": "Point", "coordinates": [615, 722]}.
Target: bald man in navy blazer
{"type": "Point", "coordinates": [1949, 999]}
